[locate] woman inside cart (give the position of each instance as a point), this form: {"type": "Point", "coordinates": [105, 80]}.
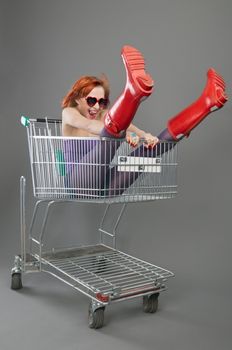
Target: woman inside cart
{"type": "Point", "coordinates": [86, 112]}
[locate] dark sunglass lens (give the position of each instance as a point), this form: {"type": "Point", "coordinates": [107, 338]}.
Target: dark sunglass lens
{"type": "Point", "coordinates": [103, 102]}
{"type": "Point", "coordinates": [91, 101]}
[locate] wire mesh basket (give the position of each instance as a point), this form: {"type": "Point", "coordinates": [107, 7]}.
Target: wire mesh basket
{"type": "Point", "coordinates": [94, 169]}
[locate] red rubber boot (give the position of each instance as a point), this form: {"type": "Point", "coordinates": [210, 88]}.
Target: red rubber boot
{"type": "Point", "coordinates": [139, 86]}
{"type": "Point", "coordinates": [212, 98]}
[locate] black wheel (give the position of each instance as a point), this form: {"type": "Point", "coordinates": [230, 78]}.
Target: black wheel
{"type": "Point", "coordinates": [16, 281]}
{"type": "Point", "coordinates": [96, 318]}
{"type": "Point", "coordinates": [150, 303]}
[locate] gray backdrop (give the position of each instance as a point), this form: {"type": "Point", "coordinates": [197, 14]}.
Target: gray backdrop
{"type": "Point", "coordinates": [45, 47]}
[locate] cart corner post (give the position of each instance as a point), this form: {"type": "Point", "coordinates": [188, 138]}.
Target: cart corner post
{"type": "Point", "coordinates": [23, 220]}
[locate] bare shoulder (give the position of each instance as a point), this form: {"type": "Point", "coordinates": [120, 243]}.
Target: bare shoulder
{"type": "Point", "coordinates": [69, 111]}
{"type": "Point", "coordinates": [70, 115]}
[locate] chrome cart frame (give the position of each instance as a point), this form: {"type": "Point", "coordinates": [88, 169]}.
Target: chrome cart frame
{"type": "Point", "coordinates": [99, 271]}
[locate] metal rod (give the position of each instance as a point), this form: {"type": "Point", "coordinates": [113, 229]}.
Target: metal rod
{"type": "Point", "coordinates": [45, 220]}
{"type": "Point", "coordinates": [102, 222]}
{"type": "Point", "coordinates": [34, 215]}
{"type": "Point", "coordinates": [114, 233]}
{"type": "Point", "coordinates": [23, 219]}
{"type": "Point", "coordinates": [117, 223]}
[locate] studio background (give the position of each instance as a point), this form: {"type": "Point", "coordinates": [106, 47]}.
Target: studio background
{"type": "Point", "coordinates": [45, 47]}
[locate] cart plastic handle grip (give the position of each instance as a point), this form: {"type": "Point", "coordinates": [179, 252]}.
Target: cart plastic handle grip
{"type": "Point", "coordinates": [25, 121]}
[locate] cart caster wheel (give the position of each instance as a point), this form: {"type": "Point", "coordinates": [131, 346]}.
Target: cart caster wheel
{"type": "Point", "coordinates": [150, 303]}
{"type": "Point", "coordinates": [96, 318]}
{"type": "Point", "coordinates": [16, 281]}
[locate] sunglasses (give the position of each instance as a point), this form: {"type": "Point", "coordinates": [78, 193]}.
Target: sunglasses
{"type": "Point", "coordinates": [91, 101]}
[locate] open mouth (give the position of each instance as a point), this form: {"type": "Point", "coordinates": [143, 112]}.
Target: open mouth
{"type": "Point", "coordinates": [93, 114]}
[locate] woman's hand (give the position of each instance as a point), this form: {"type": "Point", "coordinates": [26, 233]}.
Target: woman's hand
{"type": "Point", "coordinates": [149, 140]}
{"type": "Point", "coordinates": [132, 138]}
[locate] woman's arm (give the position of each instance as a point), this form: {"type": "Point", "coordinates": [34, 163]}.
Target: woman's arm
{"type": "Point", "coordinates": [140, 133]}
{"type": "Point", "coordinates": [71, 117]}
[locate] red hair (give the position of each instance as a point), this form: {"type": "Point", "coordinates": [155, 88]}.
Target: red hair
{"type": "Point", "coordinates": [82, 88]}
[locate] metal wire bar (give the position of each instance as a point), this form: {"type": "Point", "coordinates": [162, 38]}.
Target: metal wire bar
{"type": "Point", "coordinates": [23, 220]}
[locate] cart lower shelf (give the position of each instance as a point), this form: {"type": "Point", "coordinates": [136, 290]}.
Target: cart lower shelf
{"type": "Point", "coordinates": [100, 272]}
{"type": "Point", "coordinates": [105, 274]}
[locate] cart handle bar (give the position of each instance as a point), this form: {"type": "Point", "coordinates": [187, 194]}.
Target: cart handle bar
{"type": "Point", "coordinates": [25, 121]}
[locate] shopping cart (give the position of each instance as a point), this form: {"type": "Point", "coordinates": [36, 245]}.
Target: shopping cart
{"type": "Point", "coordinates": [93, 170]}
